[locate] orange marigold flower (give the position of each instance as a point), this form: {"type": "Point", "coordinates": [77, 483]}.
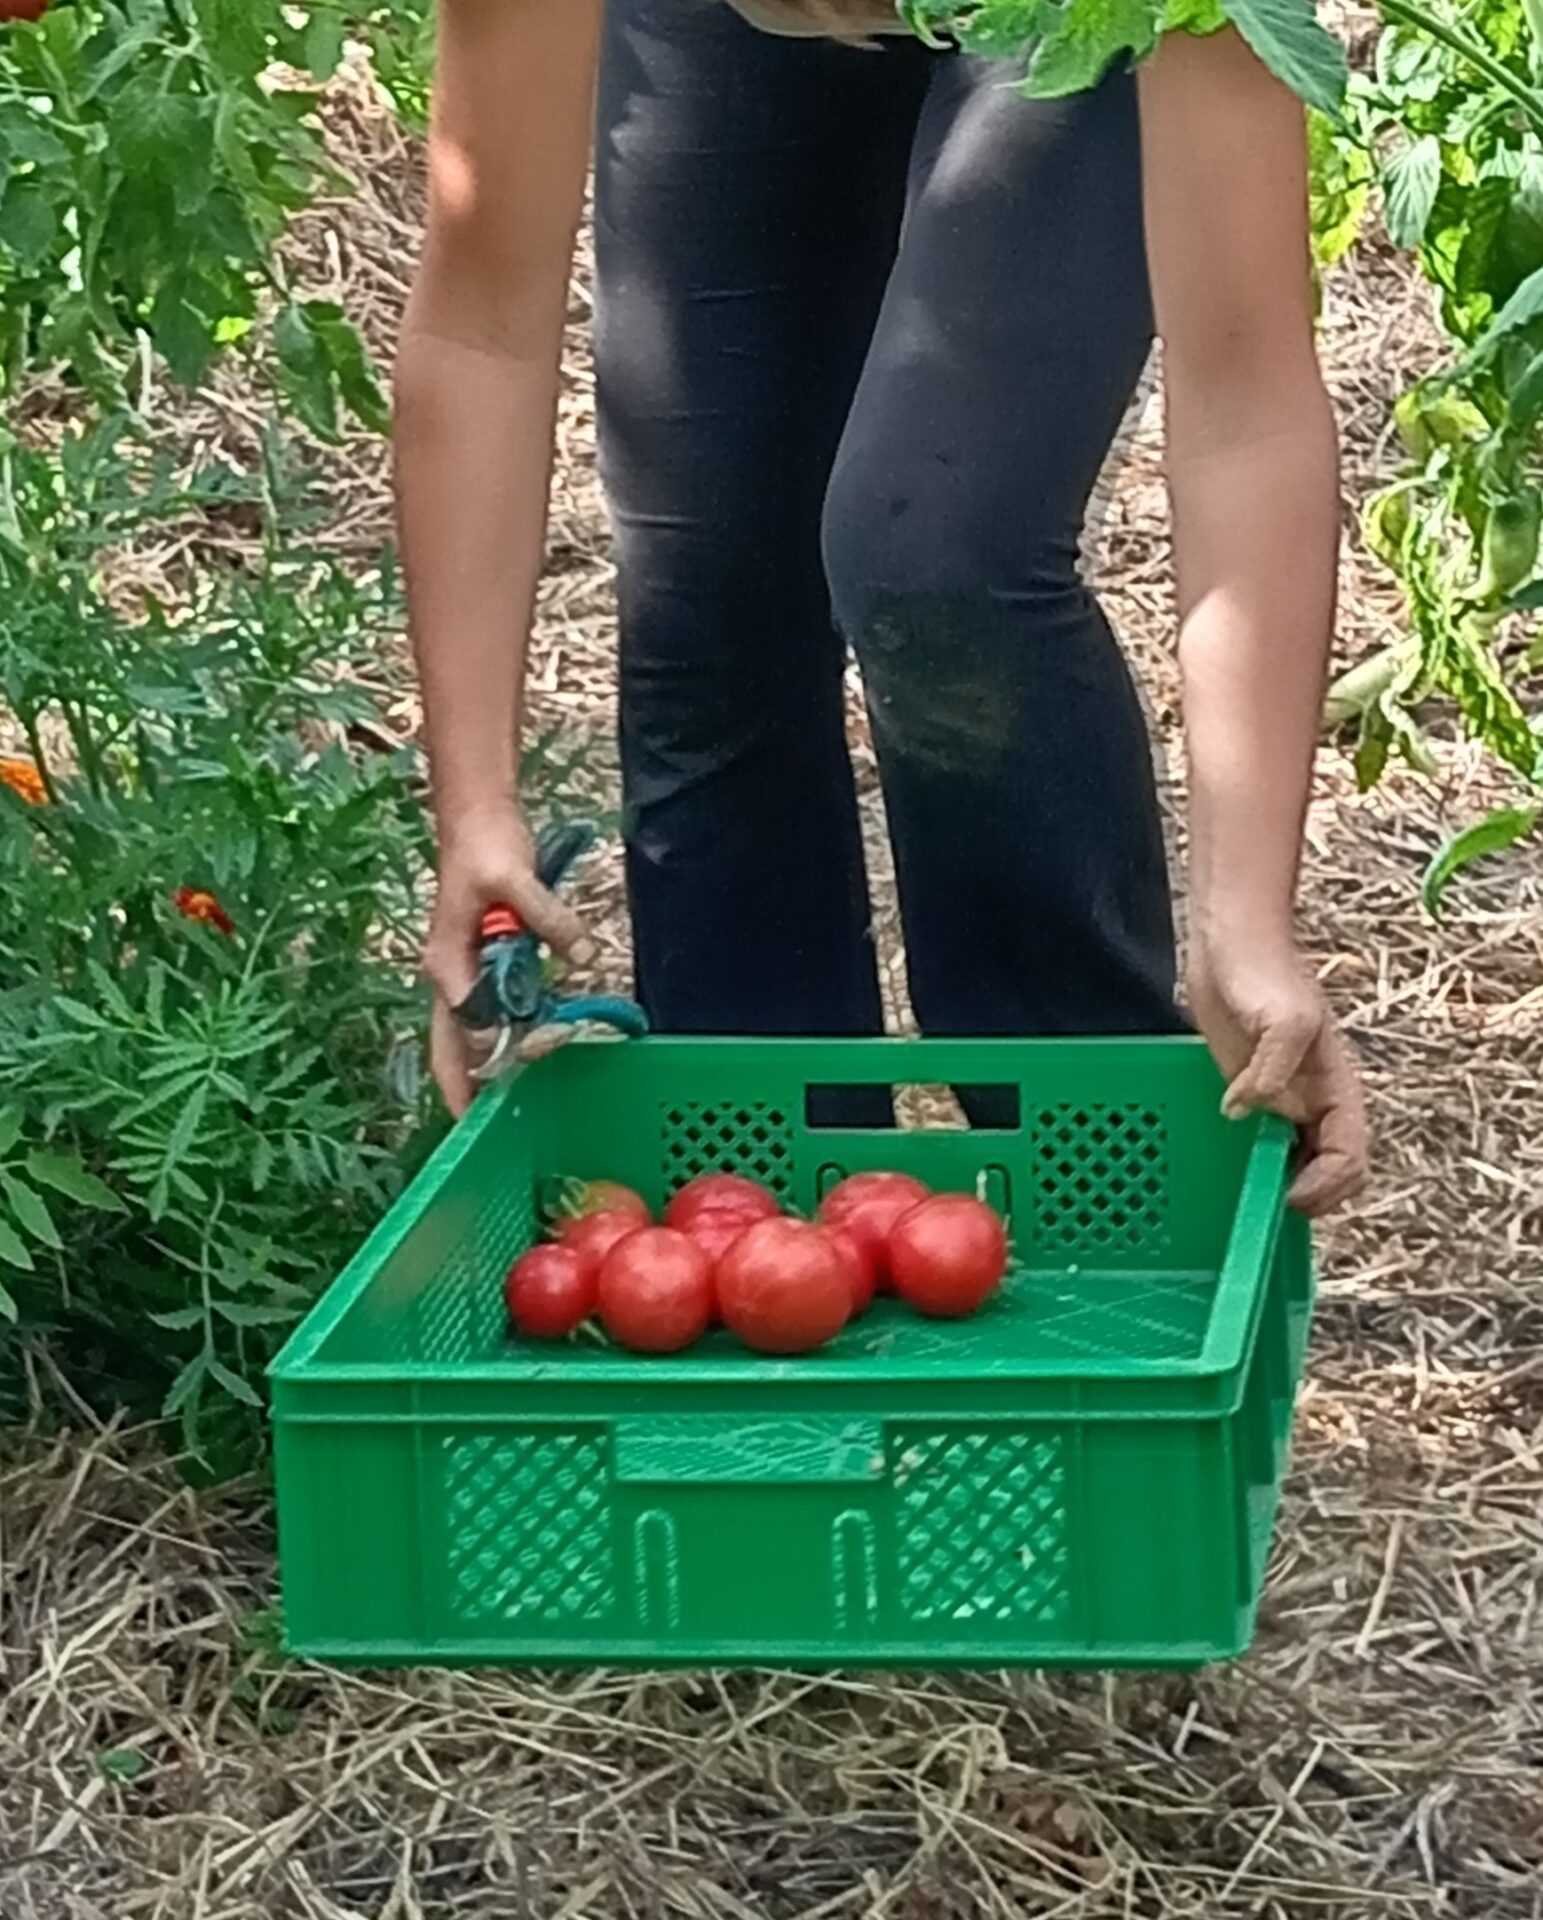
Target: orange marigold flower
{"type": "Point", "coordinates": [193, 903]}
{"type": "Point", "coordinates": [23, 778]}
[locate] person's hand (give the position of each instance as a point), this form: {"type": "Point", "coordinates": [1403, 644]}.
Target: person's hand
{"type": "Point", "coordinates": [1276, 1041]}
{"type": "Point", "coordinates": [487, 858]}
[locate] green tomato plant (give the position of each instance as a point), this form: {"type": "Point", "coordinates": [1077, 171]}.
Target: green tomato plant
{"type": "Point", "coordinates": [1068, 45]}
{"type": "Point", "coordinates": [1447, 130]}
{"type": "Point", "coordinates": [152, 154]}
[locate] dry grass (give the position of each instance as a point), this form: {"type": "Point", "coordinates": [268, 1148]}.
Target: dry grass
{"type": "Point", "coordinates": [1381, 1753]}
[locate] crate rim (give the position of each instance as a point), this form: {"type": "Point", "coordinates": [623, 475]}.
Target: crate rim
{"type": "Point", "coordinates": [1256, 1224]}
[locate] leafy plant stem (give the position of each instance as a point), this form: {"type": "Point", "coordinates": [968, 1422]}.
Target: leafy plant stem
{"type": "Point", "coordinates": [1457, 40]}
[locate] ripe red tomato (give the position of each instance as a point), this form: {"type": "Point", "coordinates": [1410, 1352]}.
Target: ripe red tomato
{"type": "Point", "coordinates": [593, 1237]}
{"type": "Point", "coordinates": [868, 1206]}
{"type": "Point", "coordinates": [23, 9]}
{"type": "Point", "coordinates": [711, 1191]}
{"type": "Point", "coordinates": [858, 1264]}
{"type": "Point", "coordinates": [550, 1291]}
{"type": "Point", "coordinates": [715, 1229]}
{"type": "Point", "coordinates": [948, 1255]}
{"type": "Point", "coordinates": [783, 1287]}
{"type": "Point", "coordinates": [860, 1188]}
{"type": "Point", "coordinates": [586, 1197]}
{"type": "Point", "coordinates": [656, 1291]}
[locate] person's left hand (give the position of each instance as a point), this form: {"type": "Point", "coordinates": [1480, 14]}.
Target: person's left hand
{"type": "Point", "coordinates": [1276, 1041]}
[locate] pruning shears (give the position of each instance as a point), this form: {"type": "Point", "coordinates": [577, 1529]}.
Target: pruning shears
{"type": "Point", "coordinates": [514, 994]}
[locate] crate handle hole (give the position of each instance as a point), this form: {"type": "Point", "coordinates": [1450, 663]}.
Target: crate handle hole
{"type": "Point", "coordinates": [914, 1106]}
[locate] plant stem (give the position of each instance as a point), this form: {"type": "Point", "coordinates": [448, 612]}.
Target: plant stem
{"type": "Point", "coordinates": [29, 727]}
{"type": "Point", "coordinates": [90, 760]}
{"type": "Point", "coordinates": [1414, 13]}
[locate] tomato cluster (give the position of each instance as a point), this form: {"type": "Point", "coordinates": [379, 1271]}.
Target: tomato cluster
{"type": "Point", "coordinates": [726, 1253]}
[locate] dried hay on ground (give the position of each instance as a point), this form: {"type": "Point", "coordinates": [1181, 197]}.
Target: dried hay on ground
{"type": "Point", "coordinates": [1380, 1755]}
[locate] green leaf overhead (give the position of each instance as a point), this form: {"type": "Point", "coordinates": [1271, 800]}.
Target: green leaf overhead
{"type": "Point", "coordinates": [1294, 44]}
{"type": "Point", "coordinates": [1068, 45]}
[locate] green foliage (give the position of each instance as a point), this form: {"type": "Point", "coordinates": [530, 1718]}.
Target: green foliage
{"type": "Point", "coordinates": [31, 1179]}
{"type": "Point", "coordinates": [1070, 44]}
{"type": "Point", "coordinates": [1502, 829]}
{"type": "Point", "coordinates": [209, 1021]}
{"type": "Point", "coordinates": [1341, 180]}
{"type": "Point", "coordinates": [400, 36]}
{"type": "Point", "coordinates": [152, 154]}
{"type": "Point", "coordinates": [1449, 124]}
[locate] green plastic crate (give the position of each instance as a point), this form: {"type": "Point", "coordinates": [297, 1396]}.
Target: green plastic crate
{"type": "Point", "coordinates": [1087, 1473]}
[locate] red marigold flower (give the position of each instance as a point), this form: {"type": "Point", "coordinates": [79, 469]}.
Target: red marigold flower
{"type": "Point", "coordinates": [23, 778]}
{"type": "Point", "coordinates": [193, 903]}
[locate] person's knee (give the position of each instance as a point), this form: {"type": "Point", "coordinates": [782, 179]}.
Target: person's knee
{"type": "Point", "coordinates": [956, 620]}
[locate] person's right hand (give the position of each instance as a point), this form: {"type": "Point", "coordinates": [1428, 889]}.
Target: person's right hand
{"type": "Point", "coordinates": [487, 858]}
{"type": "Point", "coordinates": [1278, 1046]}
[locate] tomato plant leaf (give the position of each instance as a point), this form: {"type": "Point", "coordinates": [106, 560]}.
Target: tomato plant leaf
{"type": "Point", "coordinates": [1524, 403]}
{"type": "Point", "coordinates": [1200, 17]}
{"type": "Point", "coordinates": [1078, 41]}
{"type": "Point", "coordinates": [351, 366]}
{"type": "Point", "coordinates": [306, 374]}
{"type": "Point", "coordinates": [8, 1308]}
{"type": "Point", "coordinates": [994, 29]}
{"type": "Point", "coordinates": [235, 32]}
{"type": "Point", "coordinates": [27, 136]}
{"type": "Point", "coordinates": [1409, 184]}
{"type": "Point", "coordinates": [1071, 44]}
{"type": "Point", "coordinates": [29, 226]}
{"type": "Point", "coordinates": [10, 1128]}
{"type": "Point", "coordinates": [325, 34]}
{"type": "Point", "coordinates": [183, 336]}
{"type": "Point", "coordinates": [1293, 43]}
{"type": "Point", "coordinates": [1524, 306]}
{"type": "Point", "coordinates": [1494, 834]}
{"type": "Point", "coordinates": [1341, 176]}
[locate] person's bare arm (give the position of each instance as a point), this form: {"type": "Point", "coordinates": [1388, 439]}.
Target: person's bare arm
{"type": "Point", "coordinates": [476, 398]}
{"type": "Point", "coordinates": [1253, 474]}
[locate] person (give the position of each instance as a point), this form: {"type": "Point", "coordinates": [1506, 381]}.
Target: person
{"type": "Point", "coordinates": [866, 324]}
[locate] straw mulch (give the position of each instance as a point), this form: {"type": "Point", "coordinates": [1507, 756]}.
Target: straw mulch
{"type": "Point", "coordinates": [1379, 1756]}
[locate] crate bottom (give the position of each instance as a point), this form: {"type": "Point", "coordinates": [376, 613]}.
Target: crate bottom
{"type": "Point", "coordinates": [1045, 1322]}
{"type": "Point", "coordinates": [794, 1656]}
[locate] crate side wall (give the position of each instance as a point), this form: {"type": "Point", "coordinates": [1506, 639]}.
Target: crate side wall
{"type": "Point", "coordinates": [1113, 1538]}
{"type": "Point", "coordinates": [435, 1299]}
{"type": "Point", "coordinates": [352, 1554]}
{"type": "Point", "coordinates": [1121, 1158]}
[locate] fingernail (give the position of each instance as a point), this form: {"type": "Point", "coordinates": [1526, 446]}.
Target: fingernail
{"type": "Point", "coordinates": [584, 952]}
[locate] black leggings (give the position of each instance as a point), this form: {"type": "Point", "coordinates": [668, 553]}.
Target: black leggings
{"type": "Point", "coordinates": [867, 324]}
